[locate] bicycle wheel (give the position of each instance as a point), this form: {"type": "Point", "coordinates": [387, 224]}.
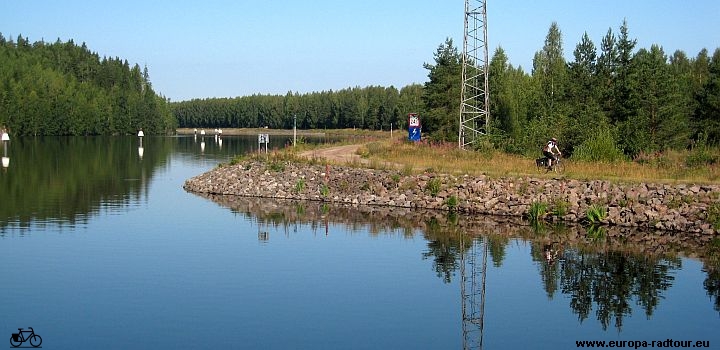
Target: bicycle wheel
{"type": "Point", "coordinates": [559, 167]}
{"type": "Point", "coordinates": [35, 340]}
{"type": "Point", "coordinates": [14, 343]}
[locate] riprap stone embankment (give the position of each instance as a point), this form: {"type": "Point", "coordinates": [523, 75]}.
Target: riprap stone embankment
{"type": "Point", "coordinates": [674, 207]}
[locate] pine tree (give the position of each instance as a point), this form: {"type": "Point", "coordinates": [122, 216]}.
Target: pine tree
{"type": "Point", "coordinates": [586, 118]}
{"type": "Point", "coordinates": [606, 74]}
{"type": "Point", "coordinates": [657, 123]}
{"type": "Point", "coordinates": [442, 93]}
{"type": "Point", "coordinates": [708, 114]}
{"type": "Point", "coordinates": [623, 86]}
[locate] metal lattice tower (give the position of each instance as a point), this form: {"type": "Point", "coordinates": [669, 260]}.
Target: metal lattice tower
{"type": "Point", "coordinates": [475, 101]}
{"type": "Point", "coordinates": [472, 290]}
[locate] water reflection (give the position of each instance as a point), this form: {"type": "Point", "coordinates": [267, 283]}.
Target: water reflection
{"type": "Point", "coordinates": [605, 276]}
{"type": "Point", "coordinates": [64, 180]}
{"type": "Point", "coordinates": [5, 139]}
{"type": "Point", "coordinates": [608, 281]}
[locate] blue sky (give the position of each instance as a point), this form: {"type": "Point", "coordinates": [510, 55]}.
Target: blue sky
{"type": "Point", "coordinates": [216, 48]}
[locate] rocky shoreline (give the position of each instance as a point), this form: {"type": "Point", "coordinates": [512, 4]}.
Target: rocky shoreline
{"type": "Point", "coordinates": [677, 207]}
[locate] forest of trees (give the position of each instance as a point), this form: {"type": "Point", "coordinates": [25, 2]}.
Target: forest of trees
{"type": "Point", "coordinates": [64, 89]}
{"type": "Point", "coordinates": [615, 101]}
{"type": "Point", "coordinates": [371, 107]}
{"type": "Point", "coordinates": [608, 103]}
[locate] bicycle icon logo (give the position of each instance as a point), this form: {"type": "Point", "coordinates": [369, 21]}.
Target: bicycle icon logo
{"type": "Point", "coordinates": [18, 338]}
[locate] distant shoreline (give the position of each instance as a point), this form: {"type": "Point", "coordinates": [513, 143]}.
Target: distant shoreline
{"type": "Point", "coordinates": [250, 131]}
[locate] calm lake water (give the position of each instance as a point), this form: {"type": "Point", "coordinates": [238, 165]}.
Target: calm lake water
{"type": "Point", "coordinates": [101, 248]}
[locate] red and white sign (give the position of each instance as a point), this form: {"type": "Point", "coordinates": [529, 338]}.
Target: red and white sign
{"type": "Point", "coordinates": [413, 120]}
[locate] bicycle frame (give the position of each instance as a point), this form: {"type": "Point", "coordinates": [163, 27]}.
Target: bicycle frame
{"type": "Point", "coordinates": [18, 338]}
{"type": "Point", "coordinates": [543, 163]}
{"type": "Point", "coordinates": [21, 336]}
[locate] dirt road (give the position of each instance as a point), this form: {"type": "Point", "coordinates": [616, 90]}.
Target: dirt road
{"type": "Point", "coordinates": [339, 154]}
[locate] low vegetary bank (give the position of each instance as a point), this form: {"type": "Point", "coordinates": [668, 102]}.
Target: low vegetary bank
{"type": "Point", "coordinates": [694, 209]}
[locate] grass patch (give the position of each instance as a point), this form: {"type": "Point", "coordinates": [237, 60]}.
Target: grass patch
{"type": "Point", "coordinates": [537, 212]}
{"type": "Point", "coordinates": [699, 165]}
{"type": "Point", "coordinates": [237, 159]}
{"type": "Point", "coordinates": [596, 213]}
{"type": "Point", "coordinates": [407, 169]}
{"type": "Point", "coordinates": [713, 215]}
{"type": "Point", "coordinates": [409, 185]}
{"type": "Point", "coordinates": [433, 186]}
{"type": "Point", "coordinates": [669, 166]}
{"type": "Point", "coordinates": [559, 207]}
{"type": "Point", "coordinates": [452, 203]}
{"type": "Point", "coordinates": [299, 185]}
{"type": "Point", "coordinates": [395, 178]}
{"type": "Point", "coordinates": [277, 166]}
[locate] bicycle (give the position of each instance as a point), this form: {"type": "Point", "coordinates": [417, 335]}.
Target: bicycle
{"type": "Point", "coordinates": [542, 165]}
{"type": "Point", "coordinates": [18, 338]}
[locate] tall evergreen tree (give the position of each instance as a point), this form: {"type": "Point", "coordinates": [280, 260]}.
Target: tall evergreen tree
{"type": "Point", "coordinates": [442, 93]}
{"type": "Point", "coordinates": [606, 72]}
{"type": "Point", "coordinates": [708, 113]}
{"type": "Point", "coordinates": [508, 101]}
{"type": "Point", "coordinates": [657, 122]}
{"type": "Point", "coordinates": [623, 86]}
{"type": "Point", "coordinates": [586, 117]}
{"type": "Point", "coordinates": [551, 77]}
{"type": "Point", "coordinates": [681, 72]}
{"type": "Point", "coordinates": [500, 100]}
{"type": "Point", "coordinates": [551, 72]}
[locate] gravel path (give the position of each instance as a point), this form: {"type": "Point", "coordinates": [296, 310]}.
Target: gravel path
{"type": "Point", "coordinates": [339, 154]}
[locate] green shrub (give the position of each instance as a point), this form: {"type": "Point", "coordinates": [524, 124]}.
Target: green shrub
{"type": "Point", "coordinates": [700, 154]}
{"type": "Point", "coordinates": [484, 147]}
{"type": "Point", "coordinates": [324, 190]}
{"type": "Point", "coordinates": [599, 147]}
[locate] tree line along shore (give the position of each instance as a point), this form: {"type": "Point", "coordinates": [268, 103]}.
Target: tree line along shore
{"type": "Point", "coordinates": [611, 101]}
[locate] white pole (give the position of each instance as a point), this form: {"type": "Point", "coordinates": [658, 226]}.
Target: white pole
{"type": "Point", "coordinates": [294, 130]}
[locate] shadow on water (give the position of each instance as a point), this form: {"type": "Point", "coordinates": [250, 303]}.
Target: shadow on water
{"type": "Point", "coordinates": [605, 270]}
